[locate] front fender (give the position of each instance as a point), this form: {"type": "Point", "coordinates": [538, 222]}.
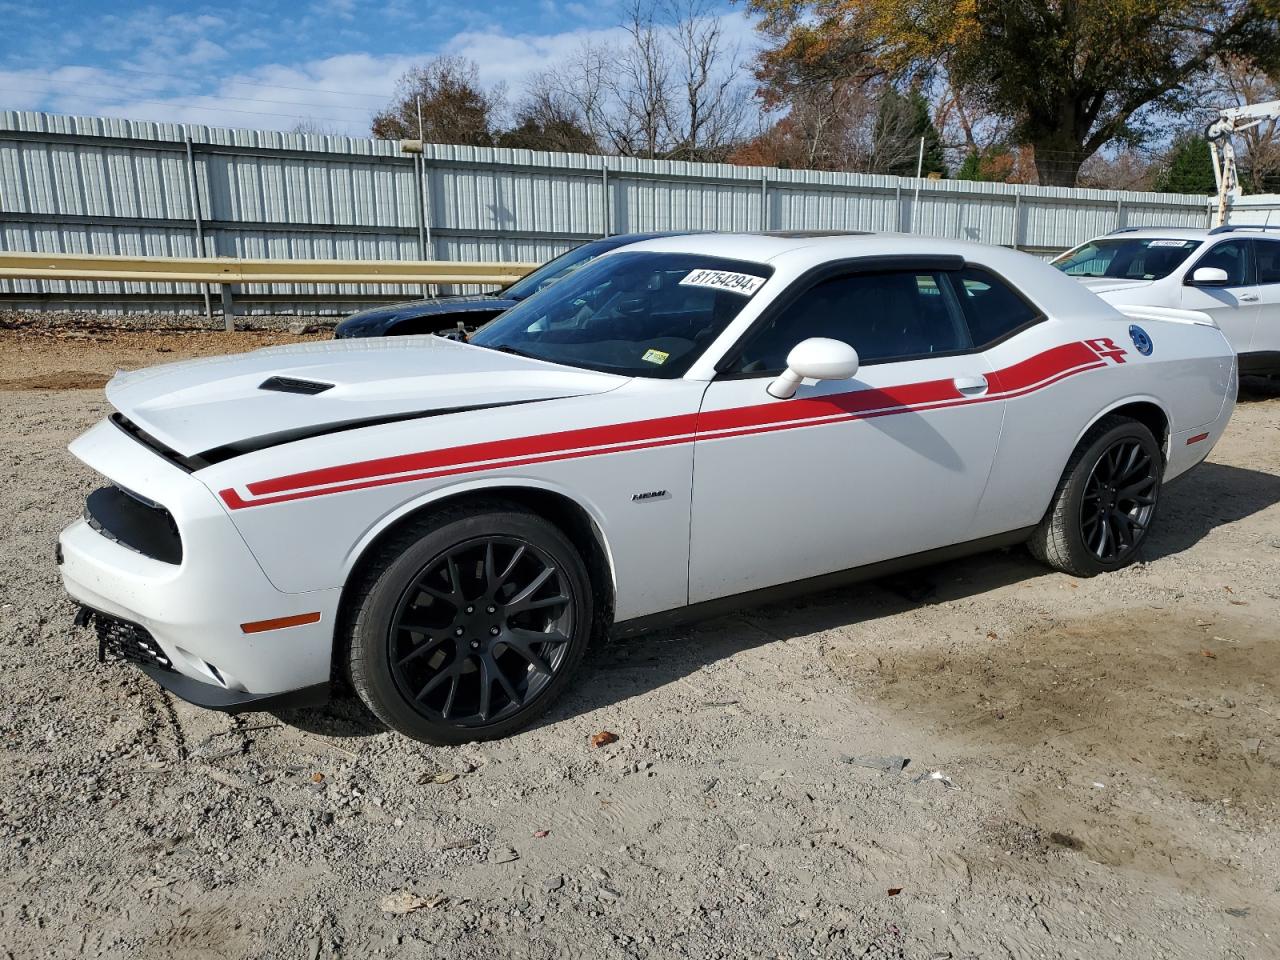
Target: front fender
{"type": "Point", "coordinates": [490, 485]}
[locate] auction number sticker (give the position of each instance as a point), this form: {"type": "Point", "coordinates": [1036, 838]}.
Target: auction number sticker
{"type": "Point", "coordinates": [743, 283]}
{"type": "Point", "coordinates": [1169, 243]}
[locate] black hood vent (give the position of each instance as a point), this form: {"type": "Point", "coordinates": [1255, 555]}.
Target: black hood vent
{"type": "Point", "coordinates": [294, 385]}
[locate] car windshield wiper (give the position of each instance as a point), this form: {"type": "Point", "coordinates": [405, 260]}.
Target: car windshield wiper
{"type": "Point", "coordinates": [503, 348]}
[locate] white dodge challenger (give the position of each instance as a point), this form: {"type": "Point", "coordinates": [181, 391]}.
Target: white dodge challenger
{"type": "Point", "coordinates": [682, 426]}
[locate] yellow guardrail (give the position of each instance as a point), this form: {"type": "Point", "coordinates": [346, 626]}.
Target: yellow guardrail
{"type": "Point", "coordinates": [233, 270]}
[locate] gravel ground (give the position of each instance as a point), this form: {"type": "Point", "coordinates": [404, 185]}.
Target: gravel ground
{"type": "Point", "coordinates": [89, 320]}
{"type": "Point", "coordinates": [1106, 755]}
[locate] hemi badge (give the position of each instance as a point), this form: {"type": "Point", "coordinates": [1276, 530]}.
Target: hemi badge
{"type": "Point", "coordinates": [279, 623]}
{"type": "Point", "coordinates": [1197, 438]}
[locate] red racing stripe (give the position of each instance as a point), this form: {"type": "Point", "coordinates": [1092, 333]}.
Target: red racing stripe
{"type": "Point", "coordinates": [1024, 377]}
{"type": "Point", "coordinates": [1042, 366]}
{"type": "Point", "coordinates": [635, 432]}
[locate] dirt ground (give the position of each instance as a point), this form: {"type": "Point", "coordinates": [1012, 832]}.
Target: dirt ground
{"type": "Point", "coordinates": [1093, 764]}
{"type": "Point", "coordinates": [62, 359]}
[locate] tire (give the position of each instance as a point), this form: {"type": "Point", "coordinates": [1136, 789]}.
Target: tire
{"type": "Point", "coordinates": [1104, 505]}
{"type": "Point", "coordinates": [444, 642]}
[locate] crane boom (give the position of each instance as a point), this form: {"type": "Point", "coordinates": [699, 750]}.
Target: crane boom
{"type": "Point", "coordinates": [1233, 120]}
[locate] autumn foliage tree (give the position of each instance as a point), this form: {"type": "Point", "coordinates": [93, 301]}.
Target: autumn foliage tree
{"type": "Point", "coordinates": [1070, 75]}
{"type": "Point", "coordinates": [454, 106]}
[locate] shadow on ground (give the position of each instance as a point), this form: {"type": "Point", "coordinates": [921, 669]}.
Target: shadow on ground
{"type": "Point", "coordinates": [1210, 496]}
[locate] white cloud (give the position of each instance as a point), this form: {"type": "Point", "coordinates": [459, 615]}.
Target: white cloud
{"type": "Point", "coordinates": [205, 51]}
{"type": "Point", "coordinates": [513, 58]}
{"type": "Point", "coordinates": [342, 9]}
{"type": "Point", "coordinates": [338, 93]}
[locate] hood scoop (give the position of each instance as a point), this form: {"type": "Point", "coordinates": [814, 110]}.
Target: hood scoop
{"type": "Point", "coordinates": [294, 385]}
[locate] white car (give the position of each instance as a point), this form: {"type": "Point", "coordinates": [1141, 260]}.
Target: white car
{"type": "Point", "coordinates": [683, 426]}
{"type": "Point", "coordinates": [1231, 273]}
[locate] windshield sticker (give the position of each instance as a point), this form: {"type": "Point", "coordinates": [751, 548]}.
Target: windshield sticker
{"type": "Point", "coordinates": [655, 356]}
{"type": "Point", "coordinates": [1169, 243]}
{"type": "Point", "coordinates": [743, 283]}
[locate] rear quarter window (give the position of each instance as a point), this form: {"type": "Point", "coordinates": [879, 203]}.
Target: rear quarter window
{"type": "Point", "coordinates": [992, 308]}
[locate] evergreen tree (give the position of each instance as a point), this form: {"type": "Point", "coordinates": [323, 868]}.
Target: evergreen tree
{"type": "Point", "coordinates": [1188, 167]}
{"type": "Point", "coordinates": [902, 120]}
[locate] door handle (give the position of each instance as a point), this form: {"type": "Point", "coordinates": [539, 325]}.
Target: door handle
{"type": "Point", "coordinates": [1248, 298]}
{"type": "Point", "coordinates": [971, 386]}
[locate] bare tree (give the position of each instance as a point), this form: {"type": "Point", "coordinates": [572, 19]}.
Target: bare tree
{"type": "Point", "coordinates": [1129, 168]}
{"type": "Point", "coordinates": [642, 85]}
{"type": "Point", "coordinates": [965, 125]}
{"type": "Point", "coordinates": [671, 88]}
{"type": "Point", "coordinates": [1237, 83]}
{"type": "Point", "coordinates": [710, 77]}
{"type": "Point", "coordinates": [314, 127]}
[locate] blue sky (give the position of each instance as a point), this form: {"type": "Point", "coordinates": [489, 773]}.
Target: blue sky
{"type": "Point", "coordinates": [270, 64]}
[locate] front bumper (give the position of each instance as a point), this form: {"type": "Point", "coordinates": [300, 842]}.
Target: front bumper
{"type": "Point", "coordinates": [119, 640]}
{"type": "Point", "coordinates": [194, 610]}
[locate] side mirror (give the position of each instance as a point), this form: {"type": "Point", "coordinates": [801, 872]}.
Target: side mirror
{"type": "Point", "coordinates": [817, 358]}
{"type": "Point", "coordinates": [1209, 277]}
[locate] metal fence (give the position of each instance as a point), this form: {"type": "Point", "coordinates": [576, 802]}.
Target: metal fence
{"type": "Point", "coordinates": [91, 185]}
{"type": "Point", "coordinates": [1259, 211]}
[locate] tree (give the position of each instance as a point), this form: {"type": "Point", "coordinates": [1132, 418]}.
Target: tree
{"type": "Point", "coordinates": [902, 121]}
{"type": "Point", "coordinates": [1124, 169]}
{"type": "Point", "coordinates": [966, 126]}
{"type": "Point", "coordinates": [1238, 83]}
{"type": "Point", "coordinates": [455, 107]}
{"type": "Point", "coordinates": [1071, 76]}
{"type": "Point", "coordinates": [1187, 167]}
{"type": "Point", "coordinates": [545, 120]}
{"type": "Point", "coordinates": [672, 88]}
{"type": "Point", "coordinates": [314, 127]}
{"type": "Point", "coordinates": [707, 80]}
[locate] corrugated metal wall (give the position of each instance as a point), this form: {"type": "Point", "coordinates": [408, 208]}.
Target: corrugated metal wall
{"type": "Point", "coordinates": [94, 185]}
{"type": "Point", "coordinates": [1262, 211]}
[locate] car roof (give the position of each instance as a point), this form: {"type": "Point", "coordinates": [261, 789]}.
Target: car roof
{"type": "Point", "coordinates": [816, 246]}
{"type": "Point", "coordinates": [622, 239]}
{"type": "Point", "coordinates": [1171, 233]}
{"type": "Point", "coordinates": [1051, 289]}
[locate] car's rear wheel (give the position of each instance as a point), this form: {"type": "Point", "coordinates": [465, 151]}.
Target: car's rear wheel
{"type": "Point", "coordinates": [1105, 503]}
{"type": "Point", "coordinates": [469, 624]}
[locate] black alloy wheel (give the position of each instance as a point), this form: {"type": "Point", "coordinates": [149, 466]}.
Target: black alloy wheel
{"type": "Point", "coordinates": [1119, 501]}
{"type": "Point", "coordinates": [481, 631]}
{"type": "Point", "coordinates": [1106, 500]}
{"type": "Point", "coordinates": [468, 623]}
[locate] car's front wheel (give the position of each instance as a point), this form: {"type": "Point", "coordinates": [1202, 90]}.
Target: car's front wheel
{"type": "Point", "coordinates": [468, 624]}
{"type": "Point", "coordinates": [1106, 501]}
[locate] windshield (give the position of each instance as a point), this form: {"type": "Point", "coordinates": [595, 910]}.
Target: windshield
{"type": "Point", "coordinates": [1132, 258]}
{"type": "Point", "coordinates": [637, 314]}
{"type": "Point", "coordinates": [554, 269]}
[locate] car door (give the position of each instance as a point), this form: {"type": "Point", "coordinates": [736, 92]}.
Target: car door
{"type": "Point", "coordinates": [1235, 306]}
{"type": "Point", "coordinates": [845, 473]}
{"type": "Point", "coordinates": [1266, 331]}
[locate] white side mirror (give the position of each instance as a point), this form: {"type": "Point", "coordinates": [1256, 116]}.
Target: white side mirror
{"type": "Point", "coordinates": [1210, 277]}
{"type": "Point", "coordinates": [817, 358]}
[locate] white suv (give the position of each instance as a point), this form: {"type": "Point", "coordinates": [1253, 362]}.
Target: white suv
{"type": "Point", "coordinates": [1231, 273]}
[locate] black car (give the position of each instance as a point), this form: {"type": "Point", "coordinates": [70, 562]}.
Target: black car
{"type": "Point", "coordinates": [440, 314]}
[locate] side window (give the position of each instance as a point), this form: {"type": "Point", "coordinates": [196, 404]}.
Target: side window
{"type": "Point", "coordinates": [1267, 254]}
{"type": "Point", "coordinates": [990, 306]}
{"type": "Point", "coordinates": [1233, 257]}
{"type": "Point", "coordinates": [884, 316]}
